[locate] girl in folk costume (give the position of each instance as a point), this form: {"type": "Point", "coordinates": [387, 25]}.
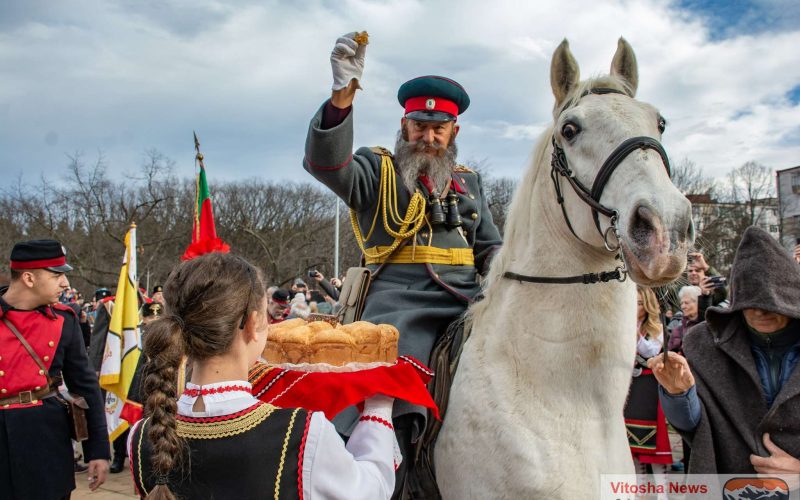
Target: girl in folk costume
{"type": "Point", "coordinates": [217, 440]}
{"type": "Point", "coordinates": [644, 419]}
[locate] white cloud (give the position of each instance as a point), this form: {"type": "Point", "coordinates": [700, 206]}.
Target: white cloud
{"type": "Point", "coordinates": [248, 75]}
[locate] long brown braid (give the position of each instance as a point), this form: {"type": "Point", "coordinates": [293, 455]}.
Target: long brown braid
{"type": "Point", "coordinates": [206, 302]}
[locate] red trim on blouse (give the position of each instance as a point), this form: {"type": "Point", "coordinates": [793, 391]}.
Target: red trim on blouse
{"type": "Point", "coordinates": [373, 418]}
{"type": "Point", "coordinates": [216, 390]}
{"type": "Point", "coordinates": [220, 418]}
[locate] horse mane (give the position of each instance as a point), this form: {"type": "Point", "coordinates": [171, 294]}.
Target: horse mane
{"type": "Point", "coordinates": [517, 222]}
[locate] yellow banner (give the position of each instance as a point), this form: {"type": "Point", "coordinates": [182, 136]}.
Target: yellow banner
{"type": "Point", "coordinates": [123, 344]}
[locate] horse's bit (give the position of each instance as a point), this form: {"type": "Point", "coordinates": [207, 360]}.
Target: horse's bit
{"type": "Point", "coordinates": [560, 168]}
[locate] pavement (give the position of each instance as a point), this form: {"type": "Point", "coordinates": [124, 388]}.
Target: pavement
{"type": "Point", "coordinates": [117, 487]}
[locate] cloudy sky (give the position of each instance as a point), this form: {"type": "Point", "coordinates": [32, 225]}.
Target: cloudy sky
{"type": "Point", "coordinates": [122, 77]}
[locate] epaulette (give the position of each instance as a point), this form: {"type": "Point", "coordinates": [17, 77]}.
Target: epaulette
{"type": "Point", "coordinates": [110, 298]}
{"type": "Point", "coordinates": [64, 307]}
{"type": "Point", "coordinates": [463, 170]}
{"type": "Point", "coordinates": [381, 151]}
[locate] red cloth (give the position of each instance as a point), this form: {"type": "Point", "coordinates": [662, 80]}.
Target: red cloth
{"type": "Point", "coordinates": [202, 247]}
{"type": "Point", "coordinates": [332, 392]}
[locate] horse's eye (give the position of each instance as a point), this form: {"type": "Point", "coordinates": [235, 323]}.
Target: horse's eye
{"type": "Point", "coordinates": [662, 124]}
{"type": "Point", "coordinates": [569, 131]}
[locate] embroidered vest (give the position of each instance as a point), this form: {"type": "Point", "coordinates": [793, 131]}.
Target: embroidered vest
{"type": "Point", "coordinates": [255, 453]}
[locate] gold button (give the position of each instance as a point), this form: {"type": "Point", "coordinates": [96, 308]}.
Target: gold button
{"type": "Point", "coordinates": [38, 388]}
{"type": "Point", "coordinates": [51, 343]}
{"type": "Point", "coordinates": [474, 215]}
{"type": "Point", "coordinates": [1, 358]}
{"type": "Point", "coordinates": [34, 401]}
{"type": "Point", "coordinates": [472, 197]}
{"type": "Point", "coordinates": [5, 406]}
{"type": "Point", "coordinates": [46, 358]}
{"type": "Point", "coordinates": [3, 391]}
{"type": "Point", "coordinates": [2, 373]}
{"type": "Point", "coordinates": [41, 372]}
{"type": "Point", "coordinates": [424, 235]}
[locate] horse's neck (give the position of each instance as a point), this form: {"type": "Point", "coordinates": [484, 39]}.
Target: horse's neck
{"type": "Point", "coordinates": [534, 321]}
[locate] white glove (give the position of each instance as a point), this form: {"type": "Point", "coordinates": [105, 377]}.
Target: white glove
{"type": "Point", "coordinates": [347, 61]}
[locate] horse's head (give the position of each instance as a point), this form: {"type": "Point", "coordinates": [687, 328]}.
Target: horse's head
{"type": "Point", "coordinates": [618, 170]}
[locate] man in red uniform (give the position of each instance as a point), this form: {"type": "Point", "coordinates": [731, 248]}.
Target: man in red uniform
{"type": "Point", "coordinates": [36, 457]}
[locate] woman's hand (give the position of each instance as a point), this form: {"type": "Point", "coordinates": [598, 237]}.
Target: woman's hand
{"type": "Point", "coordinates": [674, 376]}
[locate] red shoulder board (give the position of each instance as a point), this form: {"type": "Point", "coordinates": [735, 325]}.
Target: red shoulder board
{"type": "Point", "coordinates": [108, 299]}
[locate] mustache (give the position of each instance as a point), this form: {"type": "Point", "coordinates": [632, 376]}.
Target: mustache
{"type": "Point", "coordinates": [422, 146]}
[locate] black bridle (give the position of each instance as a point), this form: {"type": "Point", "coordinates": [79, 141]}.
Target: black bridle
{"type": "Point", "coordinates": [560, 168]}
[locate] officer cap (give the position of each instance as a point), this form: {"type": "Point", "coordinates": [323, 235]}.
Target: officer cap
{"type": "Point", "coordinates": [39, 254]}
{"type": "Point", "coordinates": [280, 296]}
{"type": "Point", "coordinates": [158, 288]}
{"type": "Point", "coordinates": [152, 309]}
{"type": "Point", "coordinates": [433, 99]}
{"type": "Point", "coordinates": [102, 293]}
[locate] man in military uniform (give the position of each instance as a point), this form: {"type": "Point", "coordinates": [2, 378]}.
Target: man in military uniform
{"type": "Point", "coordinates": [421, 219]}
{"type": "Point", "coordinates": [36, 457]}
{"type": "Point", "coordinates": [158, 294]}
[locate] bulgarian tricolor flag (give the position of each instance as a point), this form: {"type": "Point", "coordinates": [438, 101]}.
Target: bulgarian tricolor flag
{"type": "Point", "coordinates": [123, 346]}
{"type": "Point", "coordinates": [204, 233]}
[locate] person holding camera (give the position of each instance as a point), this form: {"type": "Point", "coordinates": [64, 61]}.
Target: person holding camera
{"type": "Point", "coordinates": [735, 396]}
{"type": "Point", "coordinates": [327, 286]}
{"type": "Point", "coordinates": [712, 287]}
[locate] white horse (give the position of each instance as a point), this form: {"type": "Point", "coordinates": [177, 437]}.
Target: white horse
{"type": "Point", "coordinates": [535, 408]}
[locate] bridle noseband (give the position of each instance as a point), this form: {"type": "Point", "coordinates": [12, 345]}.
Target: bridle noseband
{"type": "Point", "coordinates": [560, 168]}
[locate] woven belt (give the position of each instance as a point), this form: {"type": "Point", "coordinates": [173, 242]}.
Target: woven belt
{"type": "Point", "coordinates": [28, 397]}
{"type": "Point", "coordinates": [422, 255]}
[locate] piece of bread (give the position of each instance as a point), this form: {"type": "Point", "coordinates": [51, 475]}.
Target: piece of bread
{"type": "Point", "coordinates": [362, 38]}
{"type": "Point", "coordinates": [273, 353]}
{"type": "Point", "coordinates": [389, 338]}
{"type": "Point", "coordinates": [295, 342]}
{"type": "Point", "coordinates": [332, 346]}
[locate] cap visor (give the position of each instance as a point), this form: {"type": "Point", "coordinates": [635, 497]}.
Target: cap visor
{"type": "Point", "coordinates": [60, 269]}
{"type": "Point", "coordinates": [430, 116]}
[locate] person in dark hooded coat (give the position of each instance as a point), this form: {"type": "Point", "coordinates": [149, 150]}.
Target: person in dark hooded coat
{"type": "Point", "coordinates": [735, 397]}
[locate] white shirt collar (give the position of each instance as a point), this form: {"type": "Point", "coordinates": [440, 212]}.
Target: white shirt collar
{"type": "Point", "coordinates": [217, 403]}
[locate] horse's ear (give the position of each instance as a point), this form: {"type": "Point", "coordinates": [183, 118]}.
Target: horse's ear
{"type": "Point", "coordinates": [564, 72]}
{"type": "Point", "coordinates": [624, 65]}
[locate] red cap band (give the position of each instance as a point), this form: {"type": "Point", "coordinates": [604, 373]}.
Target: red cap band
{"type": "Point", "coordinates": [431, 104]}
{"type": "Point", "coordinates": [38, 264]}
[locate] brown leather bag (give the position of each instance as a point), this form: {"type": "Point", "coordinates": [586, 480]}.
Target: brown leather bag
{"type": "Point", "coordinates": [76, 405]}
{"type": "Point", "coordinates": [353, 296]}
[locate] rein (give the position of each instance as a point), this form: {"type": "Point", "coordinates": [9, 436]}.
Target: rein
{"type": "Point", "coordinates": [560, 168]}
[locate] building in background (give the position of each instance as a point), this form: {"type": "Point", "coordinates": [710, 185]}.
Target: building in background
{"type": "Point", "coordinates": [719, 225]}
{"type": "Point", "coordinates": [789, 206]}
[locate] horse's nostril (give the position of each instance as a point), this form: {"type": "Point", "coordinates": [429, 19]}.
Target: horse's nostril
{"type": "Point", "coordinates": [642, 225]}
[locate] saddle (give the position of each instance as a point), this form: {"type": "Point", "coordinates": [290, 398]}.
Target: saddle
{"type": "Point", "coordinates": [420, 480]}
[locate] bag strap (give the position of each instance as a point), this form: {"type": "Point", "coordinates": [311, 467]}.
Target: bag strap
{"type": "Point", "coordinates": [28, 348]}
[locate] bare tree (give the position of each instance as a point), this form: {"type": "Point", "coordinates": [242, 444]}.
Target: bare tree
{"type": "Point", "coordinates": [689, 178]}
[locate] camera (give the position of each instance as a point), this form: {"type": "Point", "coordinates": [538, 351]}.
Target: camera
{"type": "Point", "coordinates": [718, 281]}
{"type": "Point", "coordinates": [313, 273]}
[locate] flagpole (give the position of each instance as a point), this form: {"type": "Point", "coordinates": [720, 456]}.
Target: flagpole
{"type": "Point", "coordinates": [336, 242]}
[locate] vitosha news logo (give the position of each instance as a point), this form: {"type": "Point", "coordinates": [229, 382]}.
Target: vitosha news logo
{"type": "Point", "coordinates": [747, 488]}
{"type": "Point", "coordinates": [626, 488]}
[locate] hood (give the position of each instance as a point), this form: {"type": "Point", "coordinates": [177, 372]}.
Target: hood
{"type": "Point", "coordinates": [764, 276]}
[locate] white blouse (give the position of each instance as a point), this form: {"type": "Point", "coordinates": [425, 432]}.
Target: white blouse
{"type": "Point", "coordinates": [362, 469]}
